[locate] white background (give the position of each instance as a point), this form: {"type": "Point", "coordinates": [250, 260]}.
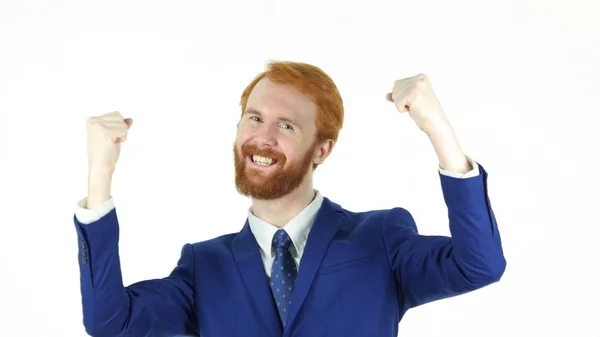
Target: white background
{"type": "Point", "coordinates": [518, 80]}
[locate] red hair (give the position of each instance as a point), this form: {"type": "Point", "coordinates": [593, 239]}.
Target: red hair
{"type": "Point", "coordinates": [313, 82]}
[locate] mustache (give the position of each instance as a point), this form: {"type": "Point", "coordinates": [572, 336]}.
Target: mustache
{"type": "Point", "coordinates": [249, 149]}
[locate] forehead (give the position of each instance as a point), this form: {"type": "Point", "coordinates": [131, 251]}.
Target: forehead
{"type": "Point", "coordinates": [281, 101]}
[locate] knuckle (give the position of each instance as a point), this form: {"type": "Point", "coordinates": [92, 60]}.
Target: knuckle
{"type": "Point", "coordinates": [416, 89]}
{"type": "Point", "coordinates": [91, 120]}
{"type": "Point", "coordinates": [420, 84]}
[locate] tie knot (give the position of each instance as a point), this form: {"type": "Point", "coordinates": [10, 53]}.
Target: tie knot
{"type": "Point", "coordinates": [281, 239]}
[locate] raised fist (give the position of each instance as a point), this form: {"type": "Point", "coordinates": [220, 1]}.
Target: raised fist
{"type": "Point", "coordinates": [105, 134]}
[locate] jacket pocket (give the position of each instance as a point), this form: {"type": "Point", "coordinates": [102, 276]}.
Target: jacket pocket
{"type": "Point", "coordinates": [344, 265]}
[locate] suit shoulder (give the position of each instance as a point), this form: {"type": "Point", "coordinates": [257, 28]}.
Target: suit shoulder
{"type": "Point", "coordinates": [378, 217]}
{"type": "Point", "coordinates": [400, 217]}
{"type": "Point", "coordinates": [219, 244]}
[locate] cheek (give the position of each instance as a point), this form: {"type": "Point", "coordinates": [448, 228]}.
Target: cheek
{"type": "Point", "coordinates": [241, 137]}
{"type": "Point", "coordinates": [294, 151]}
{"type": "Point", "coordinates": [239, 132]}
{"type": "Point", "coordinates": [244, 133]}
{"type": "Point", "coordinates": [292, 155]}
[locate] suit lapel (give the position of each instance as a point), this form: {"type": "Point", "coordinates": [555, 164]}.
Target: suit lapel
{"type": "Point", "coordinates": [326, 225]}
{"type": "Point", "coordinates": [249, 262]}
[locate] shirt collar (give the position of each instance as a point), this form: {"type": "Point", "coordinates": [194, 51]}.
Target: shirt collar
{"type": "Point", "coordinates": [297, 228]}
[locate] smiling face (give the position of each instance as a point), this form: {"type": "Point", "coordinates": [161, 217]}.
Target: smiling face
{"type": "Point", "coordinates": [276, 147]}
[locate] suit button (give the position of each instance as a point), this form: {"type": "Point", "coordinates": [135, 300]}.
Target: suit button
{"type": "Point", "coordinates": [84, 260]}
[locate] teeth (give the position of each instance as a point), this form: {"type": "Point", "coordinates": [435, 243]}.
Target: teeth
{"type": "Point", "coordinates": [262, 160]}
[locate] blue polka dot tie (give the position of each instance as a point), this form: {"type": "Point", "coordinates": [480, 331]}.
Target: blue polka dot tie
{"type": "Point", "coordinates": [283, 274]}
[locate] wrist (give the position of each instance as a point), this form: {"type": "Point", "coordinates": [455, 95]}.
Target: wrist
{"type": "Point", "coordinates": [99, 188]}
{"type": "Point", "coordinates": [438, 127]}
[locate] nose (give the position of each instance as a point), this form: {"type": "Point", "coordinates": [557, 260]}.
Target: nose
{"type": "Point", "coordinates": [266, 135]}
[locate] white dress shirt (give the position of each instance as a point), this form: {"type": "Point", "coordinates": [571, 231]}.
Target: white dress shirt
{"type": "Point", "coordinates": [297, 228]}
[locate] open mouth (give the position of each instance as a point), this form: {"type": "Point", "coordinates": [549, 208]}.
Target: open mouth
{"type": "Point", "coordinates": [262, 161]}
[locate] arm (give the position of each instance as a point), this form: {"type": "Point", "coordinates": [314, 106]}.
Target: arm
{"type": "Point", "coordinates": [429, 268]}
{"type": "Point", "coordinates": [433, 267]}
{"type": "Point", "coordinates": [148, 308]}
{"type": "Point", "coordinates": [160, 307]}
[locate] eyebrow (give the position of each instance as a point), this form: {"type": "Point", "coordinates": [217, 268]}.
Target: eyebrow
{"type": "Point", "coordinates": [251, 111]}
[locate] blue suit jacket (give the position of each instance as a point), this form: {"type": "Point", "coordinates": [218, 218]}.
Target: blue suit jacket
{"type": "Point", "coordinates": [359, 274]}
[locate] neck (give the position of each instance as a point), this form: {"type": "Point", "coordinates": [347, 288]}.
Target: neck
{"type": "Point", "coordinates": [279, 212]}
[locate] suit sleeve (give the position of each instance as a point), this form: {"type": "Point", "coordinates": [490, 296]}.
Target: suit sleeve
{"type": "Point", "coordinates": [428, 268]}
{"type": "Point", "coordinates": [159, 307]}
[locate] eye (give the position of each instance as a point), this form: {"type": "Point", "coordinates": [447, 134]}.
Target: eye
{"type": "Point", "coordinates": [255, 118]}
{"type": "Point", "coordinates": [287, 126]}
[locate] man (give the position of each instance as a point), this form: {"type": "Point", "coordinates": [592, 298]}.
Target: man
{"type": "Point", "coordinates": [301, 265]}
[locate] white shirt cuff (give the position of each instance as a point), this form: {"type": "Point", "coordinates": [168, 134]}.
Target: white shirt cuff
{"type": "Point", "coordinates": [473, 173]}
{"type": "Point", "coordinates": [87, 216]}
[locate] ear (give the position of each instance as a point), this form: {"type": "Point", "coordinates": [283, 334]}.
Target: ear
{"type": "Point", "coordinates": [322, 151]}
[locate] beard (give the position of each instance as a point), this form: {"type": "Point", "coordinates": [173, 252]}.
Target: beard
{"type": "Point", "coordinates": [278, 181]}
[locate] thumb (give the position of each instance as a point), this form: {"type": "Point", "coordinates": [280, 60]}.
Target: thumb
{"type": "Point", "coordinates": [128, 121]}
